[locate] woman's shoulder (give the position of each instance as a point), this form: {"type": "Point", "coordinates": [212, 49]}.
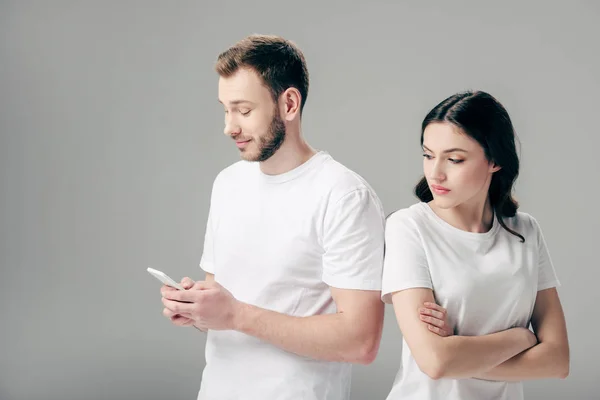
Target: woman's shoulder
{"type": "Point", "coordinates": [525, 224]}
{"type": "Point", "coordinates": [407, 217]}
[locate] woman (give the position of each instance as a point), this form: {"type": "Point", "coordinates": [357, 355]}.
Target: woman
{"type": "Point", "coordinates": [465, 247]}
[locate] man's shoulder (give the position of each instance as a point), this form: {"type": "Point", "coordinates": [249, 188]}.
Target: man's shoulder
{"type": "Point", "coordinates": [341, 180]}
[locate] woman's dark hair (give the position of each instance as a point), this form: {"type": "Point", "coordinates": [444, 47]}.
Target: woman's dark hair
{"type": "Point", "coordinates": [482, 117]}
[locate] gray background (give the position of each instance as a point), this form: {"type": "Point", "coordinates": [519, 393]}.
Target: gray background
{"type": "Point", "coordinates": [112, 135]}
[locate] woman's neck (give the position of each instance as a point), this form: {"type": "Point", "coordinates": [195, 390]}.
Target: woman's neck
{"type": "Point", "coordinates": [475, 216]}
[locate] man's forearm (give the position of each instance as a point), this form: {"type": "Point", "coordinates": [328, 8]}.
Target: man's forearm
{"type": "Point", "coordinates": [468, 356]}
{"type": "Point", "coordinates": [541, 361]}
{"type": "Point", "coordinates": [323, 337]}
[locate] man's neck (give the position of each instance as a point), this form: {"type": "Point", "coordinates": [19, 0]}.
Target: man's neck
{"type": "Point", "coordinates": [293, 152]}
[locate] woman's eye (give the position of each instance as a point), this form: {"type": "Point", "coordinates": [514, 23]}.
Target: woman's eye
{"type": "Point", "coordinates": [427, 156]}
{"type": "Point", "coordinates": [455, 161]}
{"type": "Point", "coordinates": [245, 112]}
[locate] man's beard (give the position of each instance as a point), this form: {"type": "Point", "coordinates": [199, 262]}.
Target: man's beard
{"type": "Point", "coordinates": [269, 144]}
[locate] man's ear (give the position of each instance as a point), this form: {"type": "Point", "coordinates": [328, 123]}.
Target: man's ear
{"type": "Point", "coordinates": [291, 100]}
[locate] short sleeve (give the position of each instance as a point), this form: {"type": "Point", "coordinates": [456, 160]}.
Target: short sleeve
{"type": "Point", "coordinates": [353, 241]}
{"type": "Point", "coordinates": [405, 264]}
{"type": "Point", "coordinates": [547, 277]}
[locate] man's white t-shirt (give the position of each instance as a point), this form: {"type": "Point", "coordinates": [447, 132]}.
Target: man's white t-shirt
{"type": "Point", "coordinates": [487, 281]}
{"type": "Point", "coordinates": [279, 242]}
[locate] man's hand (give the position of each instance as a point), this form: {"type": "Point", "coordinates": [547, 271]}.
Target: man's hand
{"type": "Point", "coordinates": [436, 318]}
{"type": "Point", "coordinates": [206, 305]}
{"type": "Point", "coordinates": [178, 319]}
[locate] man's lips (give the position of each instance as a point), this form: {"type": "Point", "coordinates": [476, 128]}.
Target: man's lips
{"type": "Point", "coordinates": [242, 143]}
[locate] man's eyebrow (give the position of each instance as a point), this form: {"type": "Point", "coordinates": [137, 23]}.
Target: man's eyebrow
{"type": "Point", "coordinates": [238, 102]}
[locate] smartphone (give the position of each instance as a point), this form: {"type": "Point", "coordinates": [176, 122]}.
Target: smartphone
{"type": "Point", "coordinates": [164, 278]}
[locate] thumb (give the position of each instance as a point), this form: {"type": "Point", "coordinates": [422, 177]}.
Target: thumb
{"type": "Point", "coordinates": [187, 283]}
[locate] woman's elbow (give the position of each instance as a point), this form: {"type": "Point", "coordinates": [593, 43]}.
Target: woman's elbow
{"type": "Point", "coordinates": [433, 372]}
{"type": "Point", "coordinates": [557, 360]}
{"type": "Point", "coordinates": [563, 362]}
{"type": "Point", "coordinates": [564, 372]}
{"type": "Point", "coordinates": [432, 365]}
{"type": "Point", "coordinates": [564, 367]}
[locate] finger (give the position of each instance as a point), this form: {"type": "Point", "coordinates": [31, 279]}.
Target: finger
{"type": "Point", "coordinates": [433, 313]}
{"type": "Point", "coordinates": [166, 288]}
{"type": "Point", "coordinates": [182, 321]}
{"type": "Point", "coordinates": [187, 283]}
{"type": "Point", "coordinates": [168, 313]}
{"type": "Point", "coordinates": [433, 321]}
{"type": "Point", "coordinates": [185, 296]}
{"type": "Point", "coordinates": [178, 307]}
{"type": "Point", "coordinates": [435, 306]}
{"type": "Point", "coordinates": [437, 331]}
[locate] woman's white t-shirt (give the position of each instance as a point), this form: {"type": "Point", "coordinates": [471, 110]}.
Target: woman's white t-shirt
{"type": "Point", "coordinates": [487, 281]}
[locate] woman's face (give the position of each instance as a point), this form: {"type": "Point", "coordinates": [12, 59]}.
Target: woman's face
{"type": "Point", "coordinates": [455, 166]}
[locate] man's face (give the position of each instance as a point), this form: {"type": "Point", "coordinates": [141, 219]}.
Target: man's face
{"type": "Point", "coordinates": [252, 118]}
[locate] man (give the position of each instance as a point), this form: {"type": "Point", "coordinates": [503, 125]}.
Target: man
{"type": "Point", "coordinates": [293, 249]}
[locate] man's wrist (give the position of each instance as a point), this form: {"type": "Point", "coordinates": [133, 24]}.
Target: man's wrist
{"type": "Point", "coordinates": [239, 318]}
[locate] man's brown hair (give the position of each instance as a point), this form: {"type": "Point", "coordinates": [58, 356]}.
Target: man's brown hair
{"type": "Point", "coordinates": [278, 61]}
